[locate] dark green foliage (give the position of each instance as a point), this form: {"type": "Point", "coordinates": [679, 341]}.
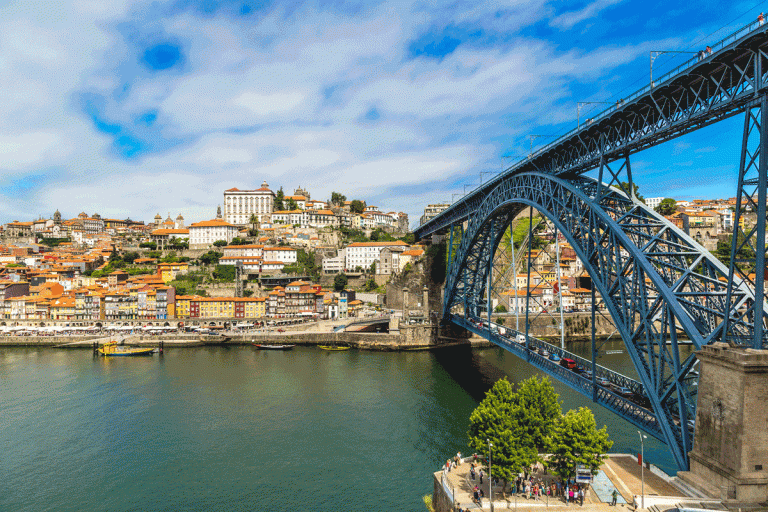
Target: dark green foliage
{"type": "Point", "coordinates": [154, 254]}
{"type": "Point", "coordinates": [220, 243]}
{"type": "Point", "coordinates": [187, 284]}
{"type": "Point", "coordinates": [357, 206]}
{"type": "Point", "coordinates": [500, 309]}
{"type": "Point", "coordinates": [370, 285]}
{"type": "Point", "coordinates": [178, 244]}
{"type": "Point", "coordinates": [239, 241]}
{"type": "Point", "coordinates": [340, 282]}
{"type": "Point", "coordinates": [668, 206]}
{"type": "Point", "coordinates": [210, 258]}
{"type": "Point", "coordinates": [353, 235]}
{"type": "Point", "coordinates": [625, 187]}
{"type": "Point", "coordinates": [291, 205]}
{"type": "Point", "coordinates": [379, 235]}
{"type": "Point", "coordinates": [224, 273]}
{"type": "Point", "coordinates": [148, 245]}
{"type": "Point", "coordinates": [131, 256]}
{"type": "Point", "coordinates": [338, 199]}
{"type": "Point", "coordinates": [53, 242]}
{"type": "Point", "coordinates": [437, 263]}
{"type": "Point", "coordinates": [723, 251]}
{"type": "Point", "coordinates": [577, 441]}
{"type": "Point", "coordinates": [279, 200]}
{"type": "Point", "coordinates": [247, 293]}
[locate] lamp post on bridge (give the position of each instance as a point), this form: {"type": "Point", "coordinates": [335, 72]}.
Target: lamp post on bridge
{"type": "Point", "coordinates": [655, 53]}
{"type": "Point", "coordinates": [531, 137]}
{"type": "Point", "coordinates": [642, 469]}
{"type": "Point", "coordinates": [582, 103]}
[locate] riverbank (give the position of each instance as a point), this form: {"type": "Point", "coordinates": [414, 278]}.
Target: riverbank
{"type": "Point", "coordinates": [402, 341]}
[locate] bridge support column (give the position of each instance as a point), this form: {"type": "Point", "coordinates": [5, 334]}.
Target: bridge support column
{"type": "Point", "coordinates": [729, 459]}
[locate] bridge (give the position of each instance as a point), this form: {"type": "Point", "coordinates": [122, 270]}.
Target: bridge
{"type": "Point", "coordinates": [659, 285]}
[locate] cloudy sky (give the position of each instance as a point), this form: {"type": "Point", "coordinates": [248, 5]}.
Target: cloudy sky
{"type": "Point", "coordinates": [134, 108]}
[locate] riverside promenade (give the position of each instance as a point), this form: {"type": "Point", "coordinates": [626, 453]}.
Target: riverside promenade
{"type": "Point", "coordinates": [454, 489]}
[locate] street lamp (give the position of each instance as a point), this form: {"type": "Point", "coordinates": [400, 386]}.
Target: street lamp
{"type": "Point", "coordinates": [642, 469]}
{"type": "Point", "coordinates": [490, 475]}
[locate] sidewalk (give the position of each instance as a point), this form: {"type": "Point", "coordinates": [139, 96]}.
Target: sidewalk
{"type": "Point", "coordinates": [618, 471]}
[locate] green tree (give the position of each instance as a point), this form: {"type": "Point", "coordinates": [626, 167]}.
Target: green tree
{"type": "Point", "coordinates": [220, 243]}
{"type": "Point", "coordinates": [372, 269]}
{"type": "Point", "coordinates": [253, 219]}
{"type": "Point", "coordinates": [493, 420]}
{"type": "Point", "coordinates": [224, 273]}
{"type": "Point", "coordinates": [148, 245]}
{"type": "Point", "coordinates": [501, 308]}
{"type": "Point", "coordinates": [624, 186]}
{"type": "Point", "coordinates": [577, 441]}
{"type": "Point", "coordinates": [357, 206]}
{"type": "Point", "coordinates": [538, 412]}
{"type": "Point", "coordinates": [667, 206]}
{"type": "Point", "coordinates": [370, 285]}
{"type": "Point", "coordinates": [210, 258]}
{"type": "Point", "coordinates": [292, 205]}
{"type": "Point", "coordinates": [723, 251]}
{"type": "Point", "coordinates": [338, 199]}
{"type": "Point", "coordinates": [247, 293]}
{"type": "Point", "coordinates": [279, 198]}
{"type": "Point", "coordinates": [340, 281]}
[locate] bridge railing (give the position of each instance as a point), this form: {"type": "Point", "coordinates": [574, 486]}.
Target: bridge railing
{"type": "Point", "coordinates": [605, 394]}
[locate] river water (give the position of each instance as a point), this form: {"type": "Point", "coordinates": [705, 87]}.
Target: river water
{"type": "Point", "coordinates": [239, 429]}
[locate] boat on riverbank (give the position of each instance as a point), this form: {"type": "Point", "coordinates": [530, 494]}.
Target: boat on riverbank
{"type": "Point", "coordinates": [333, 348]}
{"type": "Point", "coordinates": [112, 350]}
{"type": "Point", "coordinates": [273, 347]}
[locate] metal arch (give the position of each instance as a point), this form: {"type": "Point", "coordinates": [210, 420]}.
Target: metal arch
{"type": "Point", "coordinates": [694, 96]}
{"type": "Point", "coordinates": [654, 280]}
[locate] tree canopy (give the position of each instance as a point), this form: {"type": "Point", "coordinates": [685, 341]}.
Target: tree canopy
{"type": "Point", "coordinates": [279, 197]}
{"type": "Point", "coordinates": [538, 411]}
{"type": "Point", "coordinates": [625, 187]}
{"type": "Point", "coordinates": [668, 206]}
{"type": "Point", "coordinates": [338, 199]}
{"type": "Point", "coordinates": [494, 420]}
{"type": "Point", "coordinates": [357, 206]}
{"type": "Point", "coordinates": [577, 441]}
{"type": "Point", "coordinates": [340, 282]}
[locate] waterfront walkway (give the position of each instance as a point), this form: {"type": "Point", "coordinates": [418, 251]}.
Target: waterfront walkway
{"type": "Point", "coordinates": [620, 472]}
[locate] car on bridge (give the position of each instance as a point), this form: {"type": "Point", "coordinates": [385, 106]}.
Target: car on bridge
{"type": "Point", "coordinates": [602, 381]}
{"type": "Point", "coordinates": [568, 363]}
{"type": "Point", "coordinates": [624, 391]}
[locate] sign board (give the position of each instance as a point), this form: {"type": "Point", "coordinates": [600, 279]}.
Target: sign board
{"type": "Point", "coordinates": [583, 476]}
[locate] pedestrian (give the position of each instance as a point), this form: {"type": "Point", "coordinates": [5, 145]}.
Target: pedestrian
{"type": "Point", "coordinates": [709, 50]}
{"type": "Point", "coordinates": [614, 495]}
{"type": "Point", "coordinates": [570, 494]}
{"type": "Point", "coordinates": [472, 472]}
{"type": "Point", "coordinates": [761, 19]}
{"type": "Point", "coordinates": [481, 476]}
{"type": "Point", "coordinates": [581, 497]}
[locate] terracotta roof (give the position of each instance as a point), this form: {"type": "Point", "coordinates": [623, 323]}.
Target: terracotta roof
{"type": "Point", "coordinates": [378, 244]}
{"type": "Point", "coordinates": [212, 224]}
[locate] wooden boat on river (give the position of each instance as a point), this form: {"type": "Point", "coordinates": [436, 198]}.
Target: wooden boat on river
{"type": "Point", "coordinates": [273, 347]}
{"type": "Point", "coordinates": [333, 348]}
{"type": "Point", "coordinates": [112, 350]}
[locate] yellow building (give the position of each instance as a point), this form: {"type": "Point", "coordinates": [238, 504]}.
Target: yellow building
{"type": "Point", "coordinates": [169, 271]}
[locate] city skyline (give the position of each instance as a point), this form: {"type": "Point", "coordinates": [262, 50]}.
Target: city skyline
{"type": "Point", "coordinates": [129, 109]}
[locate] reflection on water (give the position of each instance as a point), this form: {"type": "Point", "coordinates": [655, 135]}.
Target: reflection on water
{"type": "Point", "coordinates": [234, 428]}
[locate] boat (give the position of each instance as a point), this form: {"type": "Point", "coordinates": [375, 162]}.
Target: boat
{"type": "Point", "coordinates": [273, 347]}
{"type": "Point", "coordinates": [111, 350]}
{"type": "Point", "coordinates": [333, 348]}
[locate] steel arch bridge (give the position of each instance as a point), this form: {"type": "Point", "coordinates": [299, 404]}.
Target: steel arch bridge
{"type": "Point", "coordinates": [658, 284]}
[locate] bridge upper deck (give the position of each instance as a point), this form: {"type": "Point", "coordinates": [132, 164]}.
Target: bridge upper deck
{"type": "Point", "coordinates": [697, 93]}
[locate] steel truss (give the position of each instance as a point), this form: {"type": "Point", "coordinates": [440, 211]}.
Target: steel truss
{"type": "Point", "coordinates": [722, 85]}
{"type": "Point", "coordinates": [656, 282]}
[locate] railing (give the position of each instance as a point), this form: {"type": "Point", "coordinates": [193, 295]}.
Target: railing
{"type": "Point", "coordinates": [663, 79]}
{"type": "Point", "coordinates": [604, 393]}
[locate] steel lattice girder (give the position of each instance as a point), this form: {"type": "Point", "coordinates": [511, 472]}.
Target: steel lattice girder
{"type": "Point", "coordinates": [714, 89]}
{"type": "Point", "coordinates": [657, 283]}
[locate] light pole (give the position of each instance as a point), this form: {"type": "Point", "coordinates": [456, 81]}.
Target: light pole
{"type": "Point", "coordinates": [656, 53]}
{"type": "Point", "coordinates": [490, 475]}
{"type": "Point", "coordinates": [642, 469]}
{"type": "Point", "coordinates": [582, 103]}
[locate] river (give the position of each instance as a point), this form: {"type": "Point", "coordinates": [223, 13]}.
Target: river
{"type": "Point", "coordinates": [238, 429]}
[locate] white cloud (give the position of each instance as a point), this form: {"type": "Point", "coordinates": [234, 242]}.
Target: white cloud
{"type": "Point", "coordinates": [569, 19]}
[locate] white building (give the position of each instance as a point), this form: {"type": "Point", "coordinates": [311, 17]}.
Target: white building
{"type": "Point", "coordinates": [363, 254]}
{"type": "Point", "coordinates": [203, 234]}
{"type": "Point", "coordinates": [653, 202]}
{"type": "Point", "coordinates": [285, 255]}
{"type": "Point", "coordinates": [239, 205]}
{"type": "Point", "coordinates": [432, 210]}
{"type": "Point", "coordinates": [336, 264]}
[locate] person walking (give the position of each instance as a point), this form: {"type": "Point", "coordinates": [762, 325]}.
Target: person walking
{"type": "Point", "coordinates": [481, 476]}
{"type": "Point", "coordinates": [581, 497]}
{"type": "Point", "coordinates": [614, 495]}
{"type": "Point", "coordinates": [570, 494]}
{"type": "Point", "coordinates": [761, 19]}
{"type": "Point", "coordinates": [472, 472]}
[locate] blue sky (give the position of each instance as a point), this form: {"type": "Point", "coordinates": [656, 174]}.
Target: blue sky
{"type": "Point", "coordinates": [134, 108]}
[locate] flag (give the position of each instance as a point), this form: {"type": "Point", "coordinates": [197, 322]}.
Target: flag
{"type": "Point", "coordinates": [556, 288]}
{"type": "Point", "coordinates": [639, 459]}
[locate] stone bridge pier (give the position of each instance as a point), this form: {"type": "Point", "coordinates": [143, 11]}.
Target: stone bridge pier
{"type": "Point", "coordinates": [729, 460]}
